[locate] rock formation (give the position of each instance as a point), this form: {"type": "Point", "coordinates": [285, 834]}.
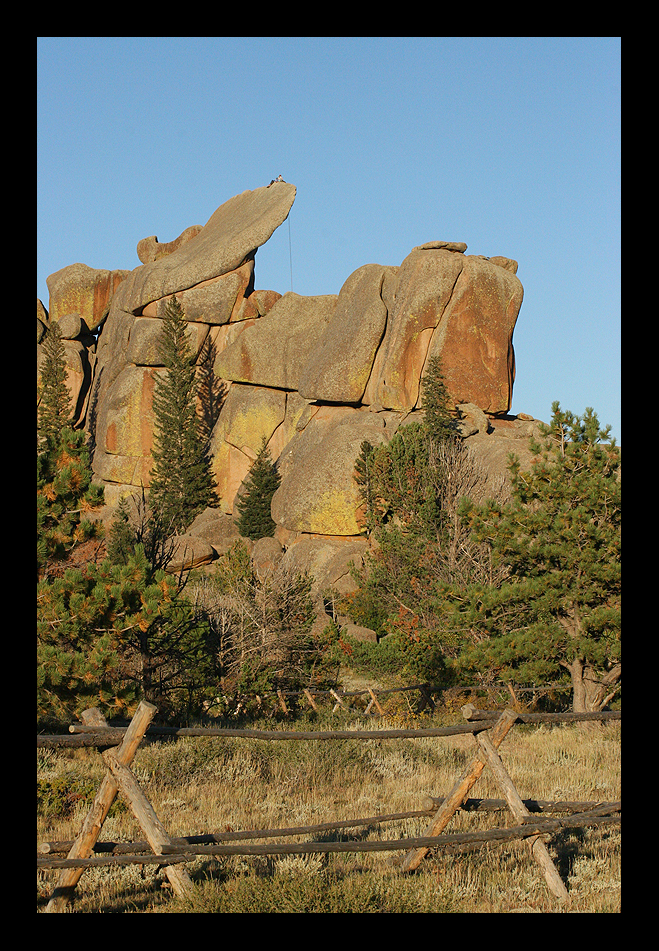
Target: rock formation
{"type": "Point", "coordinates": [314, 376]}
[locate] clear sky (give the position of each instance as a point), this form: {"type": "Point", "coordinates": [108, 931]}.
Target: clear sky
{"type": "Point", "coordinates": [511, 144]}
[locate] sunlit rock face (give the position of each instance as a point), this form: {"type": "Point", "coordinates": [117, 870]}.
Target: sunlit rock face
{"type": "Point", "coordinates": [313, 376]}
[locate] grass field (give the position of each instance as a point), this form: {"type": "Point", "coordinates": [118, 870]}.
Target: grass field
{"type": "Point", "coordinates": [205, 784]}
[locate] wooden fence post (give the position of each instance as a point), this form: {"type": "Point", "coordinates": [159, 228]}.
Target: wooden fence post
{"type": "Point", "coordinates": [309, 697]}
{"type": "Point", "coordinates": [460, 791]}
{"type": "Point", "coordinates": [84, 844]}
{"type": "Point", "coordinates": [374, 700]}
{"type": "Point", "coordinates": [521, 813]}
{"type": "Point", "coordinates": [155, 832]}
{"type": "Point", "coordinates": [339, 700]}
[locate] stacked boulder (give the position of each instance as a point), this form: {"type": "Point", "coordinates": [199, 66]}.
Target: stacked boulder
{"type": "Point", "coordinates": [79, 301]}
{"type": "Point", "coordinates": [314, 376]}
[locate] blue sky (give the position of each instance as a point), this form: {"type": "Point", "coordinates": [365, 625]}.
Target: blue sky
{"type": "Point", "coordinates": [511, 144]}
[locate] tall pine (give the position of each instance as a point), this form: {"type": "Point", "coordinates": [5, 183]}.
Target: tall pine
{"type": "Point", "coordinates": [66, 496]}
{"type": "Point", "coordinates": [54, 410]}
{"type": "Point", "coordinates": [182, 483]}
{"type": "Point", "coordinates": [439, 417]}
{"type": "Point", "coordinates": [255, 520]}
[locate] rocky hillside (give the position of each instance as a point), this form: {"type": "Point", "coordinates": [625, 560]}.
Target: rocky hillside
{"type": "Point", "coordinates": [313, 375]}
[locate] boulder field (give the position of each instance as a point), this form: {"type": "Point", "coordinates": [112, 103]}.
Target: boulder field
{"type": "Point", "coordinates": [314, 376]}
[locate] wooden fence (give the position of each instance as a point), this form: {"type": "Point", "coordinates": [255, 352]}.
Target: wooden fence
{"type": "Point", "coordinates": [280, 700]}
{"type": "Point", "coordinates": [489, 729]}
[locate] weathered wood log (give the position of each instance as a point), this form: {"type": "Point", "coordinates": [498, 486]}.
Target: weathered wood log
{"type": "Point", "coordinates": [145, 814]}
{"type": "Point", "coordinates": [521, 814]}
{"type": "Point", "coordinates": [339, 700]}
{"type": "Point", "coordinates": [52, 741]}
{"type": "Point", "coordinates": [91, 827]}
{"type": "Point", "coordinates": [431, 803]}
{"type": "Point", "coordinates": [532, 828]}
{"type": "Point", "coordinates": [430, 806]}
{"type": "Point", "coordinates": [374, 702]}
{"type": "Point", "coordinates": [460, 791]}
{"type": "Point", "coordinates": [471, 713]}
{"type": "Point", "coordinates": [48, 848]}
{"type": "Point", "coordinates": [312, 702]}
{"type": "Point", "coordinates": [114, 734]}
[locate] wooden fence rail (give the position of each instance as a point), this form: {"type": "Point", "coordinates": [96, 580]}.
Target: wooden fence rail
{"type": "Point", "coordinates": [489, 729]}
{"type": "Point", "coordinates": [430, 806]}
{"type": "Point", "coordinates": [607, 815]}
{"type": "Point", "coordinates": [90, 735]}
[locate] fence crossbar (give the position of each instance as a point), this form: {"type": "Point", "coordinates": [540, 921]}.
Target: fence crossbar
{"type": "Point", "coordinates": [173, 854]}
{"type": "Point", "coordinates": [216, 838]}
{"type": "Point", "coordinates": [90, 736]}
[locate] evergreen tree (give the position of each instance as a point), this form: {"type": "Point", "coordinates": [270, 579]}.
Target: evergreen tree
{"type": "Point", "coordinates": [404, 479]}
{"type": "Point", "coordinates": [182, 483]}
{"type": "Point", "coordinates": [54, 411]}
{"type": "Point", "coordinates": [78, 661]}
{"type": "Point", "coordinates": [136, 523]}
{"type": "Point", "coordinates": [255, 519]}
{"type": "Point", "coordinates": [556, 615]}
{"type": "Point", "coordinates": [118, 629]}
{"type": "Point", "coordinates": [440, 420]}
{"type": "Point", "coordinates": [411, 488]}
{"type": "Point", "coordinates": [108, 634]}
{"type": "Point", "coordinates": [121, 537]}
{"type": "Point", "coordinates": [66, 498]}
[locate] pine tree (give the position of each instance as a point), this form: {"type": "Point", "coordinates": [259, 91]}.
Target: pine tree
{"type": "Point", "coordinates": [255, 520]}
{"type": "Point", "coordinates": [556, 616]}
{"type": "Point", "coordinates": [404, 479]}
{"type": "Point", "coordinates": [78, 661]}
{"type": "Point", "coordinates": [182, 483]}
{"type": "Point", "coordinates": [136, 523]}
{"type": "Point", "coordinates": [66, 498]}
{"type": "Point", "coordinates": [440, 421]}
{"type": "Point", "coordinates": [54, 412]}
{"type": "Point", "coordinates": [108, 634]}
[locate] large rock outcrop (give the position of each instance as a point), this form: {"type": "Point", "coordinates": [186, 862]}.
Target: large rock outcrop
{"type": "Point", "coordinates": [312, 375]}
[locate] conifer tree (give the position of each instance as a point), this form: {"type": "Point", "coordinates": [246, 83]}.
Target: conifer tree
{"type": "Point", "coordinates": [556, 615]}
{"type": "Point", "coordinates": [182, 483]}
{"type": "Point", "coordinates": [66, 498]}
{"type": "Point", "coordinates": [136, 523]}
{"type": "Point", "coordinates": [255, 519]}
{"type": "Point", "coordinates": [78, 661]}
{"type": "Point", "coordinates": [411, 488]}
{"type": "Point", "coordinates": [440, 421]}
{"type": "Point", "coordinates": [54, 412]}
{"type": "Point", "coordinates": [403, 479]}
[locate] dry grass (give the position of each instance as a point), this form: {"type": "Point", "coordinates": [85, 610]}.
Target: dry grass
{"type": "Point", "coordinates": [209, 785]}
